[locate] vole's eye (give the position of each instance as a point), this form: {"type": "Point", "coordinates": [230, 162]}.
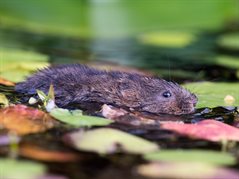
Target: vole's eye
{"type": "Point", "coordinates": [167, 94]}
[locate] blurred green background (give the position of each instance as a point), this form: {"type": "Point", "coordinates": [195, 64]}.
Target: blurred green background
{"type": "Point", "coordinates": [182, 40]}
{"type": "Point", "coordinates": [114, 18]}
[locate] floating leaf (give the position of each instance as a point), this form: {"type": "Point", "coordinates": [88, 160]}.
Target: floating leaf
{"type": "Point", "coordinates": [3, 100]}
{"type": "Point", "coordinates": [10, 169]}
{"type": "Point", "coordinates": [18, 63]}
{"type": "Point", "coordinates": [38, 153]}
{"type": "Point", "coordinates": [229, 41]}
{"type": "Point", "coordinates": [168, 39]}
{"type": "Point", "coordinates": [213, 94]}
{"type": "Point", "coordinates": [187, 170]}
{"type": "Point", "coordinates": [106, 140]}
{"type": "Point", "coordinates": [15, 75]}
{"type": "Point", "coordinates": [24, 120]}
{"type": "Point", "coordinates": [201, 156]}
{"type": "Point", "coordinates": [77, 119]}
{"type": "Point", "coordinates": [228, 61]}
{"type": "Point", "coordinates": [211, 130]}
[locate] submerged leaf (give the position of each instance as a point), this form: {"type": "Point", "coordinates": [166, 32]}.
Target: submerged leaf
{"type": "Point", "coordinates": [211, 130]}
{"type": "Point", "coordinates": [77, 119]}
{"type": "Point", "coordinates": [106, 140]}
{"type": "Point", "coordinates": [200, 156]}
{"type": "Point", "coordinates": [189, 170]}
{"type": "Point", "coordinates": [25, 120]}
{"type": "Point", "coordinates": [20, 169]}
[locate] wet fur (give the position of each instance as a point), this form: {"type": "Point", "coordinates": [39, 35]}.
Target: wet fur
{"type": "Point", "coordinates": [78, 86]}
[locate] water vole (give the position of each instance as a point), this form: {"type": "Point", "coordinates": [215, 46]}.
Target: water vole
{"type": "Point", "coordinates": [78, 85]}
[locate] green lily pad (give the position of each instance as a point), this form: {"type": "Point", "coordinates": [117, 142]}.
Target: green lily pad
{"type": "Point", "coordinates": [106, 140]}
{"type": "Point", "coordinates": [10, 168]}
{"type": "Point", "coordinates": [17, 64]}
{"type": "Point", "coordinates": [77, 119]}
{"type": "Point", "coordinates": [229, 41]}
{"type": "Point", "coordinates": [215, 94]}
{"type": "Point", "coordinates": [168, 39]}
{"type": "Point", "coordinates": [228, 61]}
{"type": "Point", "coordinates": [201, 156]}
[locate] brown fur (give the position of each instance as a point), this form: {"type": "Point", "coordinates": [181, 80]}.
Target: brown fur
{"type": "Point", "coordinates": [78, 86]}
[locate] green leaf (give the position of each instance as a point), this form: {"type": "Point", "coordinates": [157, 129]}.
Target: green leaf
{"type": "Point", "coordinates": [126, 17]}
{"type": "Point", "coordinates": [18, 64]}
{"type": "Point", "coordinates": [41, 95]}
{"type": "Point", "coordinates": [201, 156]}
{"type": "Point", "coordinates": [10, 169]}
{"type": "Point", "coordinates": [3, 100]}
{"type": "Point", "coordinates": [168, 39]}
{"type": "Point", "coordinates": [15, 75]}
{"type": "Point", "coordinates": [51, 93]}
{"type": "Point", "coordinates": [77, 119]}
{"type": "Point", "coordinates": [228, 61]}
{"type": "Point", "coordinates": [107, 140]}
{"type": "Point", "coordinates": [229, 41]}
{"type": "Point", "coordinates": [214, 94]}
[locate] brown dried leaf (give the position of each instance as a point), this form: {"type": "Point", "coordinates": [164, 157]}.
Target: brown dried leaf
{"type": "Point", "coordinates": [6, 82]}
{"type": "Point", "coordinates": [38, 153]}
{"type": "Point", "coordinates": [25, 120]}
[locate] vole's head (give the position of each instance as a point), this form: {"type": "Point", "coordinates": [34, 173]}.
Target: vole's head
{"type": "Point", "coordinates": [161, 96]}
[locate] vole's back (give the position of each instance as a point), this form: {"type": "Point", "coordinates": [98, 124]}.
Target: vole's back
{"type": "Point", "coordinates": [75, 83]}
{"type": "Point", "coordinates": [78, 85]}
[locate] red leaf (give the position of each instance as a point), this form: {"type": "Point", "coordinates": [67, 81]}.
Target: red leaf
{"type": "Point", "coordinates": [25, 120]}
{"type": "Point", "coordinates": [208, 130]}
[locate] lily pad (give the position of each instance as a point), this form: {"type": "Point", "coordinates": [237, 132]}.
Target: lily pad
{"type": "Point", "coordinates": [229, 41]}
{"type": "Point", "coordinates": [168, 39]}
{"type": "Point", "coordinates": [228, 61]}
{"type": "Point", "coordinates": [213, 94]}
{"type": "Point", "coordinates": [17, 64]}
{"type": "Point", "coordinates": [25, 120]}
{"type": "Point", "coordinates": [200, 156]}
{"type": "Point", "coordinates": [184, 170]}
{"type": "Point", "coordinates": [211, 130]}
{"type": "Point", "coordinates": [77, 119]}
{"type": "Point", "coordinates": [20, 169]}
{"type": "Point", "coordinates": [106, 140]}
